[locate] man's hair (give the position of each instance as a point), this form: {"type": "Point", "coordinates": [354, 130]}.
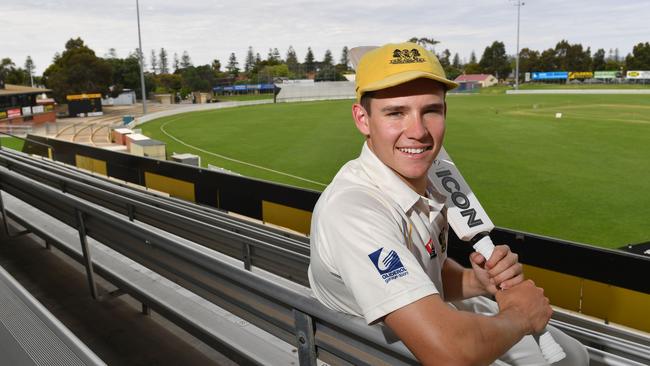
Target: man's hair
{"type": "Point", "coordinates": [366, 98]}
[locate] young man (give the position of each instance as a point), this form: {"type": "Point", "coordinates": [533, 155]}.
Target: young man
{"type": "Point", "coordinates": [379, 230]}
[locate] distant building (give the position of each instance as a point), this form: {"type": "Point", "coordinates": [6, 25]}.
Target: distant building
{"type": "Point", "coordinates": [484, 80]}
{"type": "Point", "coordinates": [126, 97]}
{"type": "Point", "coordinates": [24, 104]}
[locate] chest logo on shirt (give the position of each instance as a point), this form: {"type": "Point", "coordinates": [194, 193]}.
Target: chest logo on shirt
{"type": "Point", "coordinates": [388, 264]}
{"type": "Point", "coordinates": [430, 249]}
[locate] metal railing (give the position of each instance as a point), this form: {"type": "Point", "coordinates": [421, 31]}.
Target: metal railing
{"type": "Point", "coordinates": [255, 245]}
{"type": "Point", "coordinates": [285, 310]}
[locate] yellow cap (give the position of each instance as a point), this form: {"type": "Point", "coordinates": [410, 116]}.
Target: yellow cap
{"type": "Point", "coordinates": [395, 64]}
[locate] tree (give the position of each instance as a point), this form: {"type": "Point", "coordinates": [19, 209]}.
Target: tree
{"type": "Point", "coordinates": [548, 61]}
{"type": "Point", "coordinates": [176, 63]}
{"type": "Point", "coordinates": [309, 64]}
{"type": "Point", "coordinates": [250, 60]}
{"type": "Point", "coordinates": [571, 57]}
{"type": "Point", "coordinates": [216, 65]}
{"type": "Point", "coordinates": [472, 67]}
{"type": "Point", "coordinates": [273, 57]}
{"type": "Point", "coordinates": [328, 59]}
{"type": "Point", "coordinates": [232, 68]}
{"type": "Point", "coordinates": [495, 61]}
{"type": "Point", "coordinates": [292, 60]}
{"type": "Point", "coordinates": [11, 74]}
{"type": "Point", "coordinates": [125, 74]}
{"type": "Point", "coordinates": [77, 70]}
{"type": "Point", "coordinates": [345, 57]}
{"type": "Point", "coordinates": [186, 61]}
{"type": "Point", "coordinates": [598, 60]}
{"type": "Point", "coordinates": [111, 53]}
{"type": "Point", "coordinates": [154, 62]}
{"type": "Point", "coordinates": [200, 78]}
{"type": "Point", "coordinates": [639, 59]}
{"type": "Point", "coordinates": [529, 61]}
{"type": "Point", "coordinates": [456, 63]}
{"type": "Point", "coordinates": [428, 43]}
{"type": "Point", "coordinates": [276, 55]}
{"type": "Point", "coordinates": [444, 58]}
{"type": "Point", "coordinates": [163, 62]}
{"type": "Point", "coordinates": [29, 68]}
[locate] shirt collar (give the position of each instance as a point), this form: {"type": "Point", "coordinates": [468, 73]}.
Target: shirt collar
{"type": "Point", "coordinates": [387, 180]}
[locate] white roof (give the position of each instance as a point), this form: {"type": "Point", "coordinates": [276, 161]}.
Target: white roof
{"type": "Point", "coordinates": [136, 137]}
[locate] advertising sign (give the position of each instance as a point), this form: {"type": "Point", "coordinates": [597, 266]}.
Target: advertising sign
{"type": "Point", "coordinates": [3, 114]}
{"type": "Point", "coordinates": [581, 75]}
{"type": "Point", "coordinates": [15, 112]}
{"type": "Point", "coordinates": [605, 74]}
{"type": "Point", "coordinates": [638, 75]}
{"type": "Point", "coordinates": [83, 96]}
{"type": "Point", "coordinates": [37, 109]}
{"type": "Point", "coordinates": [554, 75]}
{"type": "Point", "coordinates": [27, 111]}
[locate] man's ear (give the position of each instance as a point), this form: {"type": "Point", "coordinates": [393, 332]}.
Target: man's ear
{"type": "Point", "coordinates": [361, 119]}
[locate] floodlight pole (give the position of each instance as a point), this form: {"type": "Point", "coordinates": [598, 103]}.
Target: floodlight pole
{"type": "Point", "coordinates": [144, 92]}
{"type": "Point", "coordinates": [519, 5]}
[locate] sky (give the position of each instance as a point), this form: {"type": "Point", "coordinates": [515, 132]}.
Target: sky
{"type": "Point", "coordinates": [213, 29]}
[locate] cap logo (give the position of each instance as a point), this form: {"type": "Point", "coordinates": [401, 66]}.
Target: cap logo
{"type": "Point", "coordinates": [406, 56]}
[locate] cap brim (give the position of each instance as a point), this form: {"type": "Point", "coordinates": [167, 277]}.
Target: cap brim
{"type": "Point", "coordinates": [407, 76]}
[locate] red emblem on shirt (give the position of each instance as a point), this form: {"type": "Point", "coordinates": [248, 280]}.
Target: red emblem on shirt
{"type": "Point", "coordinates": [430, 249]}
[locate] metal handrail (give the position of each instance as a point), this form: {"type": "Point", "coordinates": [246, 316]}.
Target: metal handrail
{"type": "Point", "coordinates": [627, 348]}
{"type": "Point", "coordinates": [273, 305]}
{"type": "Point", "coordinates": [256, 248]}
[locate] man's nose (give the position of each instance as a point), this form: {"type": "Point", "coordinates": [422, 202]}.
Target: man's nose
{"type": "Point", "coordinates": [414, 127]}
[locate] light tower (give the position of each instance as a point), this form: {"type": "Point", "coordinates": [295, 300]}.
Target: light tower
{"type": "Point", "coordinates": [518, 4]}
{"type": "Point", "coordinates": [141, 56]}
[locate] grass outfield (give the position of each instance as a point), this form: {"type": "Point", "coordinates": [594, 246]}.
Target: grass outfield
{"type": "Point", "coordinates": [584, 177]}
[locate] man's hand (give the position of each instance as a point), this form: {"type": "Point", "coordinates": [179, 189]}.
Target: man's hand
{"type": "Point", "coordinates": [502, 271]}
{"type": "Point", "coordinates": [527, 304]}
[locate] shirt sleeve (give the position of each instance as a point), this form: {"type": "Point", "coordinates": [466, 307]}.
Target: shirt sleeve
{"type": "Point", "coordinates": [367, 246]}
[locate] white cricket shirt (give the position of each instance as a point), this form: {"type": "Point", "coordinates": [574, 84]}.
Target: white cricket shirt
{"type": "Point", "coordinates": [376, 245]}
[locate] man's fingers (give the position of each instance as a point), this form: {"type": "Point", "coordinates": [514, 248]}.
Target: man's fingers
{"type": "Point", "coordinates": [500, 252]}
{"type": "Point", "coordinates": [511, 282]}
{"type": "Point", "coordinates": [477, 258]}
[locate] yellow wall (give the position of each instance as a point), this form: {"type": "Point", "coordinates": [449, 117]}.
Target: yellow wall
{"type": "Point", "coordinates": [610, 303]}
{"type": "Point", "coordinates": [175, 187]}
{"type": "Point", "coordinates": [285, 216]}
{"type": "Point", "coordinates": [94, 165]}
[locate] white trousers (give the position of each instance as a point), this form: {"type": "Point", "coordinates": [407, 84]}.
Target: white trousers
{"type": "Point", "coordinates": [527, 351]}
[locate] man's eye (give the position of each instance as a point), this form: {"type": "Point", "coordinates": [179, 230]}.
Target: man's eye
{"type": "Point", "coordinates": [395, 114]}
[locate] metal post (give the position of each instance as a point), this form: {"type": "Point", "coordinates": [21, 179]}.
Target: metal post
{"type": "Point", "coordinates": [86, 253]}
{"type": "Point", "coordinates": [144, 91]}
{"type": "Point", "coordinates": [517, 55]}
{"type": "Point", "coordinates": [246, 253]}
{"type": "Point", "coordinates": [305, 336]}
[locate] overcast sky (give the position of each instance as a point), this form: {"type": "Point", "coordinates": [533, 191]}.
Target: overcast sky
{"type": "Point", "coordinates": [213, 29]}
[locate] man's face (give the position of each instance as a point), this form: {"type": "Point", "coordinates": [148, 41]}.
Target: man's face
{"type": "Point", "coordinates": [405, 128]}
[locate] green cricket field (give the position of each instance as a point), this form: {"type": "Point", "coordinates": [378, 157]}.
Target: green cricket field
{"type": "Point", "coordinates": [575, 167]}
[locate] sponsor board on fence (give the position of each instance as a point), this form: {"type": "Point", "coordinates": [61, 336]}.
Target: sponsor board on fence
{"type": "Point", "coordinates": [554, 75]}
{"type": "Point", "coordinates": [638, 74]}
{"type": "Point", "coordinates": [83, 96]}
{"type": "Point", "coordinates": [606, 74]}
{"type": "Point", "coordinates": [580, 75]}
{"type": "Point", "coordinates": [14, 112]}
